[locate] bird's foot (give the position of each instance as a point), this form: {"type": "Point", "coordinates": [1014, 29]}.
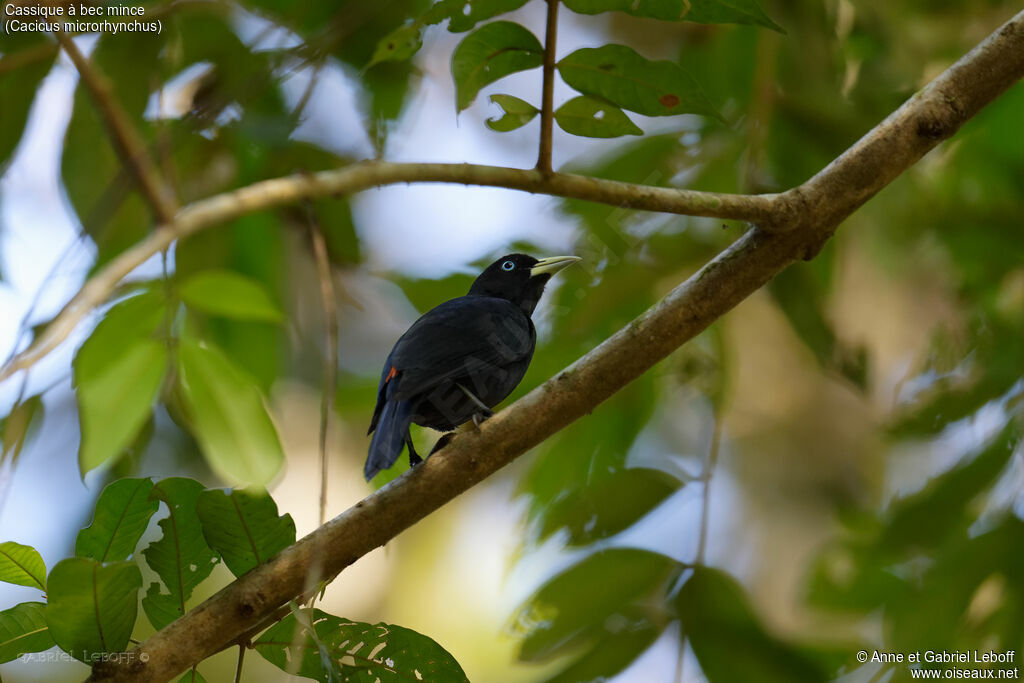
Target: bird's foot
{"type": "Point", "coordinates": [414, 457]}
{"type": "Point", "coordinates": [478, 418]}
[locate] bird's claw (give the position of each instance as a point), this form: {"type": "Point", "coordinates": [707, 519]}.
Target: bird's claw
{"type": "Point", "coordinates": [478, 418]}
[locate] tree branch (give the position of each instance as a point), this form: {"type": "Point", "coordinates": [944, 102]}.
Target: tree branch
{"type": "Point", "coordinates": [127, 141]}
{"type": "Point", "coordinates": [269, 194]}
{"type": "Point", "coordinates": [815, 209]}
{"type": "Point", "coordinates": [547, 105]}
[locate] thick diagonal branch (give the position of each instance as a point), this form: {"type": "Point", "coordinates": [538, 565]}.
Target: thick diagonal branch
{"type": "Point", "coordinates": [815, 209]}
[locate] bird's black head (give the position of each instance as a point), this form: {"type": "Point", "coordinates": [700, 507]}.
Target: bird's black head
{"type": "Point", "coordinates": [519, 278]}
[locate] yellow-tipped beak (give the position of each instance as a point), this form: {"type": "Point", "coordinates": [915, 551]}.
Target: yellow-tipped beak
{"type": "Point", "coordinates": [552, 264]}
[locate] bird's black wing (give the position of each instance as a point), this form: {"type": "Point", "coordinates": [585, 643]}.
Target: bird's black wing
{"type": "Point", "coordinates": [457, 338]}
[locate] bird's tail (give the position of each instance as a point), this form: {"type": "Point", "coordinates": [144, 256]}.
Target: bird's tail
{"type": "Point", "coordinates": [389, 437]}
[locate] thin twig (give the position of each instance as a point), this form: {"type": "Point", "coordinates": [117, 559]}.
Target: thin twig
{"type": "Point", "coordinates": [127, 141]}
{"type": "Point", "coordinates": [269, 194]}
{"type": "Point", "coordinates": [709, 469]}
{"type": "Point", "coordinates": [330, 366]}
{"type": "Point", "coordinates": [547, 102]}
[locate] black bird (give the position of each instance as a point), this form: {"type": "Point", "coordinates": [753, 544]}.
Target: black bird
{"type": "Point", "coordinates": [460, 359]}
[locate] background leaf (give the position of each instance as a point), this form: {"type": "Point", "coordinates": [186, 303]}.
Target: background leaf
{"type": "Point", "coordinates": [115, 402]}
{"type": "Point", "coordinates": [583, 511]}
{"type": "Point", "coordinates": [122, 514]}
{"type": "Point", "coordinates": [366, 652]}
{"type": "Point", "coordinates": [700, 11]}
{"type": "Point", "coordinates": [243, 527]}
{"type": "Point", "coordinates": [22, 565]}
{"type": "Point", "coordinates": [572, 608]}
{"type": "Point", "coordinates": [222, 292]}
{"type": "Point", "coordinates": [618, 74]}
{"type": "Point", "coordinates": [716, 616]}
{"type": "Point", "coordinates": [489, 53]}
{"type": "Point", "coordinates": [228, 414]}
{"type": "Point", "coordinates": [593, 118]}
{"type": "Point", "coordinates": [23, 629]}
{"type": "Point", "coordinates": [91, 606]}
{"type": "Point", "coordinates": [180, 557]}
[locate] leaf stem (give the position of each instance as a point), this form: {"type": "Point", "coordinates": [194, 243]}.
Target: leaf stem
{"type": "Point", "coordinates": [547, 101]}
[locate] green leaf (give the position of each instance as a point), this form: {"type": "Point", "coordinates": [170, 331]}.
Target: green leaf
{"type": "Point", "coordinates": [92, 606]}
{"type": "Point", "coordinates": [618, 74]}
{"type": "Point", "coordinates": [115, 403]}
{"type": "Point", "coordinates": [181, 557]}
{"type": "Point", "coordinates": [491, 52]}
{"type": "Point", "coordinates": [22, 422]}
{"type": "Point", "coordinates": [192, 676]}
{"type": "Point", "coordinates": [23, 629]}
{"type": "Point", "coordinates": [585, 513]}
{"type": "Point", "coordinates": [926, 518]}
{"type": "Point", "coordinates": [365, 652]}
{"type": "Point", "coordinates": [136, 317]}
{"type": "Point", "coordinates": [222, 292]}
{"type": "Point", "coordinates": [802, 293]}
{"type": "Point", "coordinates": [518, 113]}
{"type": "Point", "coordinates": [22, 565]}
{"type": "Point", "coordinates": [716, 616]}
{"type": "Point", "coordinates": [243, 527]}
{"type": "Point", "coordinates": [594, 118]}
{"type": "Point", "coordinates": [624, 639]}
{"type": "Point", "coordinates": [465, 14]}
{"type": "Point", "coordinates": [399, 45]}
{"type": "Point", "coordinates": [574, 606]}
{"type": "Point", "coordinates": [228, 415]}
{"type": "Point", "coordinates": [122, 514]}
{"type": "Point", "coordinates": [699, 11]}
{"type": "Point", "coordinates": [18, 88]}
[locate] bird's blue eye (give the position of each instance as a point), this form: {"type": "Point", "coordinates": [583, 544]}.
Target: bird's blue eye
{"type": "Point", "coordinates": [508, 265]}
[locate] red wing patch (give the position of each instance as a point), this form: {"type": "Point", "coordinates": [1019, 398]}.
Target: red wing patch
{"type": "Point", "coordinates": [391, 374]}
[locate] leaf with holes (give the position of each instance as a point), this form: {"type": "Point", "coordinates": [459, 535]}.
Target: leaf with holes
{"type": "Point", "coordinates": [228, 415]}
{"type": "Point", "coordinates": [92, 606]}
{"type": "Point", "coordinates": [594, 118]}
{"type": "Point", "coordinates": [517, 114]}
{"type": "Point", "coordinates": [230, 295]}
{"type": "Point", "coordinates": [122, 514]}
{"type": "Point", "coordinates": [463, 15]}
{"type": "Point", "coordinates": [22, 565]}
{"type": "Point", "coordinates": [181, 557]}
{"type": "Point", "coordinates": [23, 629]}
{"type": "Point", "coordinates": [243, 527]}
{"type": "Point", "coordinates": [699, 11]}
{"type": "Point", "coordinates": [620, 75]}
{"type": "Point", "coordinates": [489, 53]}
{"type": "Point", "coordinates": [357, 651]}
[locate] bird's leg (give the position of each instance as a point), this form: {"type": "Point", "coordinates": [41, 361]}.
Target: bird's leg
{"type": "Point", "coordinates": [414, 458]}
{"type": "Point", "coordinates": [442, 442]}
{"type": "Point", "coordinates": [484, 411]}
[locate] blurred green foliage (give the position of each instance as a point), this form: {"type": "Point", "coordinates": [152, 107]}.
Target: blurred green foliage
{"type": "Point", "coordinates": [936, 563]}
